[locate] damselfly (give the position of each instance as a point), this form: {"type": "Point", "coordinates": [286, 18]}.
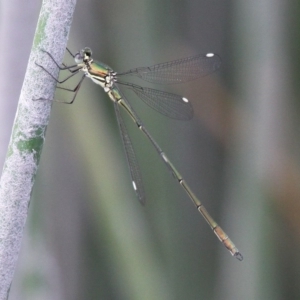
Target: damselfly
{"type": "Point", "coordinates": [171, 105]}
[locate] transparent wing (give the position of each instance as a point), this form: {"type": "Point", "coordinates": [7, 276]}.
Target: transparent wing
{"type": "Point", "coordinates": [176, 71]}
{"type": "Point", "coordinates": [131, 158]}
{"type": "Point", "coordinates": [168, 104]}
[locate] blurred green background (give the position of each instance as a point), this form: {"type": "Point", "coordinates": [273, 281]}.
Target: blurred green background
{"type": "Point", "coordinates": [87, 237]}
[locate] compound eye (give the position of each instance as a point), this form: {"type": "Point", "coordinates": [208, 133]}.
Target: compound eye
{"type": "Point", "coordinates": [87, 51]}
{"type": "Point", "coordinates": [78, 58]}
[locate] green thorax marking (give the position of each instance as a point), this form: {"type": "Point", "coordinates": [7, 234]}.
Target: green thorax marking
{"type": "Point", "coordinates": [99, 69]}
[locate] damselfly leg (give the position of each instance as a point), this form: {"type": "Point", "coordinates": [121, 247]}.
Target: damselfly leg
{"type": "Point", "coordinates": [63, 68]}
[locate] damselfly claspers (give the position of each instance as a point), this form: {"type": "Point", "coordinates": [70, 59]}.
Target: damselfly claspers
{"type": "Point", "coordinates": [171, 105]}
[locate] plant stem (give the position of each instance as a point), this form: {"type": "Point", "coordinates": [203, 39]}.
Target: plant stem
{"type": "Point", "coordinates": [28, 133]}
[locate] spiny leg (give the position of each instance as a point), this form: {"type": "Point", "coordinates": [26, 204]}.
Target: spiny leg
{"type": "Point", "coordinates": [60, 67]}
{"type": "Point", "coordinates": [70, 70]}
{"type": "Point", "coordinates": [73, 73]}
{"type": "Point", "coordinates": [75, 91]}
{"type": "Point", "coordinates": [70, 52]}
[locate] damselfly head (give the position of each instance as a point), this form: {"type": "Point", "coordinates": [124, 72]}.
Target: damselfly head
{"type": "Point", "coordinates": [83, 56]}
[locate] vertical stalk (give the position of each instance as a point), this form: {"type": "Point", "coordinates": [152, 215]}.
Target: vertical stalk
{"type": "Point", "coordinates": [28, 133]}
